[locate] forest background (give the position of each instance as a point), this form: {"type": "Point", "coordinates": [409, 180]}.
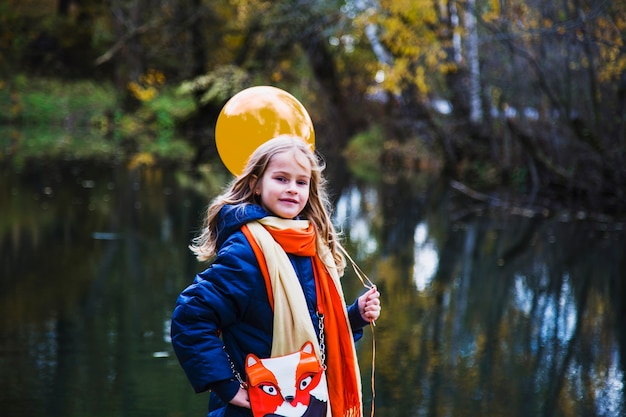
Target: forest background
{"type": "Point", "coordinates": [510, 100]}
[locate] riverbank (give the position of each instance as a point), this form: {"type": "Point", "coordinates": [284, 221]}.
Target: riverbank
{"type": "Point", "coordinates": [47, 120]}
{"type": "Point", "coordinates": [44, 119]}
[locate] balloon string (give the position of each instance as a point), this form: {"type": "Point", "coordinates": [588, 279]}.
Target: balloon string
{"type": "Point", "coordinates": [372, 324]}
{"type": "Point", "coordinates": [362, 277]}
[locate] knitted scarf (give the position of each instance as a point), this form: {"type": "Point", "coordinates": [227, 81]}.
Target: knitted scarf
{"type": "Point", "coordinates": [271, 239]}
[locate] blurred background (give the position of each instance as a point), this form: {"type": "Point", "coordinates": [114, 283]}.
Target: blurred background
{"type": "Point", "coordinates": [476, 157]}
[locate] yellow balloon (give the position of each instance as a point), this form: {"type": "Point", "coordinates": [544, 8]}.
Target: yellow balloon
{"type": "Point", "coordinates": [254, 116]}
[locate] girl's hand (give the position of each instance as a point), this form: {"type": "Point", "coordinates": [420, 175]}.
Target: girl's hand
{"type": "Point", "coordinates": [369, 305]}
{"type": "Point", "coordinates": [241, 399]}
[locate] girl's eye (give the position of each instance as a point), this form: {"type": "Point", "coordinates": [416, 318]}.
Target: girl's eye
{"type": "Point", "coordinates": [302, 182]}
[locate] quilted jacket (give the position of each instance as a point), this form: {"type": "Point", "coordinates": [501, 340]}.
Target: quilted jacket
{"type": "Point", "coordinates": [225, 313]}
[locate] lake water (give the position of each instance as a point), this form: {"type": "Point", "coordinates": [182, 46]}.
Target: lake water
{"type": "Point", "coordinates": [506, 312]}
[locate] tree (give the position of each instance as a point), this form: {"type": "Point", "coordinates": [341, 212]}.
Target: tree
{"type": "Point", "coordinates": [550, 76]}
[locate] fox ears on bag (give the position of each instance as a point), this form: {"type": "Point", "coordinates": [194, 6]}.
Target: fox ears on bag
{"type": "Point", "coordinates": [307, 348]}
{"type": "Point", "coordinates": [304, 360]}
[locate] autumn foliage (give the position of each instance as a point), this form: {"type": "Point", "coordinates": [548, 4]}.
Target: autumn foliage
{"type": "Point", "coordinates": [528, 96]}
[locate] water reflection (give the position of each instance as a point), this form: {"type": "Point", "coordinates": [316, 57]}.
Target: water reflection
{"type": "Point", "coordinates": [490, 315]}
{"type": "Point", "coordinates": [499, 314]}
{"type": "Point", "coordinates": [92, 263]}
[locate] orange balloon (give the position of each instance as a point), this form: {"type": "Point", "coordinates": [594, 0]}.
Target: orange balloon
{"type": "Point", "coordinates": [254, 116]}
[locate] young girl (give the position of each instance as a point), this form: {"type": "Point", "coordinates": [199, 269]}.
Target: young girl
{"type": "Point", "coordinates": [269, 231]}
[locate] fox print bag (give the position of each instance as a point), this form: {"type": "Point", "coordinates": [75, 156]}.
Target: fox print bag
{"type": "Point", "coordinates": [292, 385]}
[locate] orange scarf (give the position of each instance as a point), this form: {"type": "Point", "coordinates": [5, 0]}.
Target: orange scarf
{"type": "Point", "coordinates": [342, 375]}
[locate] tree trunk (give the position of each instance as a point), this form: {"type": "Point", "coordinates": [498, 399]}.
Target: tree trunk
{"type": "Point", "coordinates": [471, 47]}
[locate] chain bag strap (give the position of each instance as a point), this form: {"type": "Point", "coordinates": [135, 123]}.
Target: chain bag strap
{"type": "Point", "coordinates": [321, 341]}
{"type": "Point", "coordinates": [283, 384]}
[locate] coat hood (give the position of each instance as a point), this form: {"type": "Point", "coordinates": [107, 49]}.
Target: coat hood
{"type": "Point", "coordinates": [232, 217]}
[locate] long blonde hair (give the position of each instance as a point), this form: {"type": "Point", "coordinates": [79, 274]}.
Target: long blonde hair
{"type": "Point", "coordinates": [241, 191]}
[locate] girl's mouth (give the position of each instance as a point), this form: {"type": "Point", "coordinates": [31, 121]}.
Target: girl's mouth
{"type": "Point", "coordinates": [289, 200]}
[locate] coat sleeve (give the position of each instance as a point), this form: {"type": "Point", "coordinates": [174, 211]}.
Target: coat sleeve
{"type": "Point", "coordinates": [217, 299]}
{"type": "Point", "coordinates": [356, 321]}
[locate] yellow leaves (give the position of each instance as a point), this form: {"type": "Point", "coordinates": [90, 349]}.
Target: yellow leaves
{"type": "Point", "coordinates": [520, 11]}
{"type": "Point", "coordinates": [614, 66]}
{"type": "Point", "coordinates": [141, 159]}
{"type": "Point", "coordinates": [153, 77]}
{"type": "Point", "coordinates": [147, 87]}
{"type": "Point", "coordinates": [448, 68]}
{"type": "Point", "coordinates": [494, 7]}
{"type": "Point", "coordinates": [392, 80]}
{"type": "Point", "coordinates": [247, 10]}
{"type": "Point", "coordinates": [409, 30]}
{"type": "Point", "coordinates": [411, 11]}
{"type": "Point", "coordinates": [608, 33]}
{"type": "Point", "coordinates": [421, 36]}
{"type": "Point", "coordinates": [141, 93]}
{"type": "Point", "coordinates": [620, 23]}
{"type": "Point", "coordinates": [420, 80]}
{"type": "Point", "coordinates": [433, 58]}
{"type": "Point", "coordinates": [403, 73]}
{"type": "Point", "coordinates": [407, 25]}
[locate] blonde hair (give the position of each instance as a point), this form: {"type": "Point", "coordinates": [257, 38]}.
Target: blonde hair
{"type": "Point", "coordinates": [241, 191]}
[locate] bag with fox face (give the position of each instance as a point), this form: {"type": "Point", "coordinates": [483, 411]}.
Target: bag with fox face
{"type": "Point", "coordinates": [292, 385]}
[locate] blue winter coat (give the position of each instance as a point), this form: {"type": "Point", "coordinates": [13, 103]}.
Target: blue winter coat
{"type": "Point", "coordinates": [225, 313]}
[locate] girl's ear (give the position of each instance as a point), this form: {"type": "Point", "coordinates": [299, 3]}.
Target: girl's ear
{"type": "Point", "coordinates": [252, 183]}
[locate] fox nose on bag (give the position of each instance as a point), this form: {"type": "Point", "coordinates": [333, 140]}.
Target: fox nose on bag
{"type": "Point", "coordinates": [289, 398]}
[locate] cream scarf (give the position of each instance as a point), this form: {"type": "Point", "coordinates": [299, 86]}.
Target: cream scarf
{"type": "Point", "coordinates": [292, 323]}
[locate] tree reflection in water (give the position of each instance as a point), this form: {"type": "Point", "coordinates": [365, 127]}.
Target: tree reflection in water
{"type": "Point", "coordinates": [515, 315]}
{"type": "Point", "coordinates": [488, 314]}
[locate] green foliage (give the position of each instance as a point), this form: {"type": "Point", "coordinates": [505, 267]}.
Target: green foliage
{"type": "Point", "coordinates": [51, 119]}
{"type": "Point", "coordinates": [483, 175]}
{"type": "Point", "coordinates": [519, 179]}
{"type": "Point", "coordinates": [53, 102]}
{"type": "Point", "coordinates": [55, 143]}
{"type": "Point", "coordinates": [81, 120]}
{"type": "Point", "coordinates": [217, 86]}
{"type": "Point", "coordinates": [172, 106]}
{"type": "Point", "coordinates": [363, 154]}
{"type": "Point", "coordinates": [144, 137]}
{"type": "Point", "coordinates": [152, 128]}
{"type": "Point", "coordinates": [374, 158]}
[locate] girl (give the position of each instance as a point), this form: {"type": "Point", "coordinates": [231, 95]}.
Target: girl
{"type": "Point", "coordinates": [269, 231]}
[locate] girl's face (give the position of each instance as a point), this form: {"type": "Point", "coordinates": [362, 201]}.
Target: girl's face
{"type": "Point", "coordinates": [284, 186]}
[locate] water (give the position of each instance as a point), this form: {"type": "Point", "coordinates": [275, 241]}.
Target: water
{"type": "Point", "coordinates": [486, 312]}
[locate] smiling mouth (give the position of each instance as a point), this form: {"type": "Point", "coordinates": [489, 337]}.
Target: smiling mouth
{"type": "Point", "coordinates": [288, 200]}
